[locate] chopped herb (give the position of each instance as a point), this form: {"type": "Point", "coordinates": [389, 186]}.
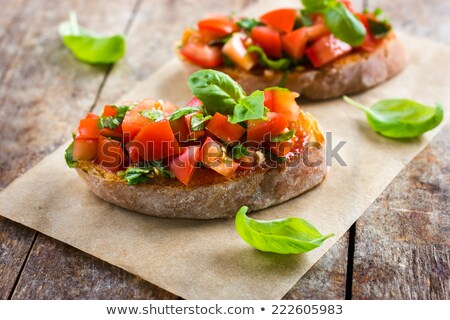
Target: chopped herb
{"type": "Point", "coordinates": [249, 23]}
{"type": "Point", "coordinates": [154, 115]}
{"type": "Point", "coordinates": [198, 121]}
{"type": "Point", "coordinates": [379, 29]}
{"type": "Point", "coordinates": [181, 112]}
{"type": "Point", "coordinates": [264, 61]}
{"type": "Point", "coordinates": [114, 122]}
{"type": "Point", "coordinates": [146, 171]}
{"type": "Point", "coordinates": [239, 151]}
{"type": "Point", "coordinates": [68, 155]}
{"type": "Point", "coordinates": [306, 18]}
{"type": "Point", "coordinates": [283, 136]}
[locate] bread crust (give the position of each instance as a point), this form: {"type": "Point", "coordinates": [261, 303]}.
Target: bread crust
{"type": "Point", "coordinates": [212, 196]}
{"type": "Point", "coordinates": [352, 73]}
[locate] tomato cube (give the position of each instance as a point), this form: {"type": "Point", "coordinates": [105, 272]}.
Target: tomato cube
{"type": "Point", "coordinates": [224, 130]}
{"type": "Point", "coordinates": [88, 129]}
{"type": "Point", "coordinates": [213, 155]}
{"type": "Point", "coordinates": [269, 40]}
{"type": "Point", "coordinates": [261, 130]}
{"type": "Point", "coordinates": [134, 121]}
{"type": "Point", "coordinates": [281, 19]}
{"type": "Point", "coordinates": [183, 165]}
{"type": "Point", "coordinates": [294, 43]}
{"type": "Point", "coordinates": [282, 101]}
{"type": "Point", "coordinates": [110, 154]}
{"type": "Point", "coordinates": [326, 49]}
{"type": "Point", "coordinates": [237, 52]}
{"type": "Point", "coordinates": [85, 149]}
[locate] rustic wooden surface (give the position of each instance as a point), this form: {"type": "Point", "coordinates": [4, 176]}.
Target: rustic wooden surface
{"type": "Point", "coordinates": [398, 249]}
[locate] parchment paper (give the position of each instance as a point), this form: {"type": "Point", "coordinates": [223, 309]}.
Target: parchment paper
{"type": "Point", "coordinates": [207, 259]}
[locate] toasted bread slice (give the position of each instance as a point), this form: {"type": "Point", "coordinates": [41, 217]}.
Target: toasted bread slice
{"type": "Point", "coordinates": [354, 72]}
{"type": "Point", "coordinates": [210, 195]}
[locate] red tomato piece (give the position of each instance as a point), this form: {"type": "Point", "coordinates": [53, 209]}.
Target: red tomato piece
{"type": "Point", "coordinates": [237, 52]}
{"type": "Point", "coordinates": [260, 130]}
{"type": "Point", "coordinates": [202, 54]}
{"type": "Point", "coordinates": [156, 141]}
{"type": "Point", "coordinates": [109, 111]}
{"type": "Point", "coordinates": [218, 27]}
{"type": "Point", "coordinates": [282, 101]}
{"type": "Point", "coordinates": [134, 121]}
{"type": "Point", "coordinates": [281, 19]}
{"type": "Point", "coordinates": [194, 102]}
{"type": "Point", "coordinates": [180, 129]}
{"type": "Point", "coordinates": [112, 133]}
{"type": "Point", "coordinates": [110, 154]}
{"type": "Point", "coordinates": [183, 165]}
{"type": "Point", "coordinates": [213, 155]}
{"type": "Point", "coordinates": [281, 149]}
{"type": "Point", "coordinates": [326, 49]}
{"type": "Point", "coordinates": [88, 129]}
{"type": "Point", "coordinates": [316, 31]}
{"type": "Point", "coordinates": [294, 43]}
{"type": "Point", "coordinates": [91, 115]}
{"type": "Point", "coordinates": [167, 107]}
{"type": "Point", "coordinates": [133, 152]}
{"type": "Point", "coordinates": [224, 130]}
{"type": "Point", "coordinates": [85, 149]}
{"type": "Point", "coordinates": [269, 40]}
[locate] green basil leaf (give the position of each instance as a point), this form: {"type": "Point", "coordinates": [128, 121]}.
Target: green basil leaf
{"type": "Point", "coordinates": [146, 171]}
{"type": "Point", "coordinates": [68, 155]}
{"type": "Point", "coordinates": [248, 23]}
{"type": "Point", "coordinates": [284, 236]}
{"type": "Point", "coordinates": [306, 18]}
{"type": "Point", "coordinates": [283, 136]}
{"type": "Point", "coordinates": [90, 47]}
{"type": "Point", "coordinates": [154, 115]}
{"type": "Point", "coordinates": [249, 108]}
{"type": "Point", "coordinates": [379, 29]}
{"type": "Point", "coordinates": [216, 90]}
{"type": "Point", "coordinates": [401, 118]}
{"type": "Point", "coordinates": [114, 122]}
{"type": "Point", "coordinates": [181, 112]}
{"type": "Point", "coordinates": [264, 61]}
{"type": "Point", "coordinates": [198, 121]}
{"type": "Point", "coordinates": [316, 5]}
{"type": "Point", "coordinates": [159, 168]}
{"type": "Point", "coordinates": [239, 151]}
{"type": "Point", "coordinates": [344, 25]}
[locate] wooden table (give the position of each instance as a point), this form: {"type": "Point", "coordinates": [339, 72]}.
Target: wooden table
{"type": "Point", "coordinates": [399, 248]}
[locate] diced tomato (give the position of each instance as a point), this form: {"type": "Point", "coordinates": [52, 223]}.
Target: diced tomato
{"type": "Point", "coordinates": [224, 130]}
{"type": "Point", "coordinates": [237, 52]}
{"type": "Point", "coordinates": [183, 165]}
{"type": "Point", "coordinates": [167, 107]}
{"type": "Point", "coordinates": [282, 101]}
{"type": "Point", "coordinates": [202, 54]}
{"type": "Point", "coordinates": [85, 149]}
{"type": "Point", "coordinates": [194, 102]}
{"type": "Point", "coordinates": [280, 19]}
{"type": "Point", "coordinates": [88, 129]}
{"type": "Point", "coordinates": [216, 27]}
{"type": "Point", "coordinates": [109, 111]}
{"type": "Point", "coordinates": [261, 130]}
{"type": "Point", "coordinates": [156, 141]}
{"type": "Point", "coordinates": [112, 133]}
{"type": "Point", "coordinates": [281, 149]}
{"type": "Point", "coordinates": [294, 43]}
{"type": "Point", "coordinates": [110, 154]}
{"type": "Point", "coordinates": [213, 156]}
{"type": "Point", "coordinates": [269, 39]}
{"type": "Point", "coordinates": [317, 31]}
{"type": "Point", "coordinates": [370, 43]}
{"type": "Point", "coordinates": [180, 129]}
{"type": "Point", "coordinates": [326, 49]}
{"type": "Point", "coordinates": [91, 115]}
{"type": "Point", "coordinates": [133, 152]}
{"type": "Point", "coordinates": [134, 121]}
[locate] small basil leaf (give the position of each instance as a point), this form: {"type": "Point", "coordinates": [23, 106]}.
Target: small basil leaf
{"type": "Point", "coordinates": [401, 118]}
{"type": "Point", "coordinates": [264, 61]}
{"type": "Point", "coordinates": [181, 112]}
{"type": "Point", "coordinates": [146, 171]}
{"type": "Point", "coordinates": [283, 136]}
{"type": "Point", "coordinates": [159, 168]}
{"type": "Point", "coordinates": [315, 5]}
{"type": "Point", "coordinates": [90, 47]}
{"type": "Point", "coordinates": [284, 236]}
{"type": "Point", "coordinates": [306, 18]}
{"type": "Point", "coordinates": [216, 90]}
{"type": "Point", "coordinates": [198, 121]}
{"type": "Point", "coordinates": [248, 23]}
{"type": "Point", "coordinates": [68, 155]}
{"type": "Point", "coordinates": [249, 108]}
{"type": "Point", "coordinates": [379, 29]}
{"type": "Point", "coordinates": [154, 115]}
{"type": "Point", "coordinates": [114, 122]}
{"type": "Point", "coordinates": [239, 151]}
{"type": "Point", "coordinates": [344, 25]}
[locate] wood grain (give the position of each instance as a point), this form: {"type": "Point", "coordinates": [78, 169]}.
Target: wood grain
{"type": "Point", "coordinates": [402, 243]}
{"type": "Point", "coordinates": [57, 271]}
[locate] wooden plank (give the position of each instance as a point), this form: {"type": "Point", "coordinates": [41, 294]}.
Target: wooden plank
{"type": "Point", "coordinates": [402, 243]}
{"type": "Point", "coordinates": [44, 91]}
{"type": "Point", "coordinates": [327, 278]}
{"type": "Point", "coordinates": [58, 271]}
{"type": "Point", "coordinates": [15, 243]}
